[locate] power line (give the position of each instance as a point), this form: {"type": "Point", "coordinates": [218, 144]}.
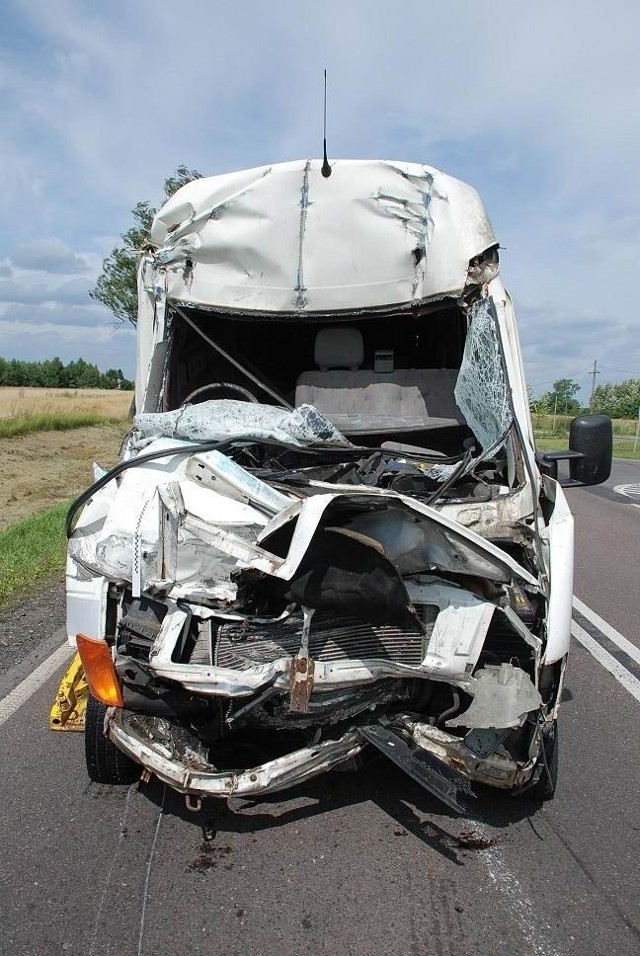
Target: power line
{"type": "Point", "coordinates": [624, 371]}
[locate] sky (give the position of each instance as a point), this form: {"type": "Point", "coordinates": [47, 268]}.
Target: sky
{"type": "Point", "coordinates": [535, 105]}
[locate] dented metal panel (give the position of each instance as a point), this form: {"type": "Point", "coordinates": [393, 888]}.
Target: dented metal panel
{"type": "Point", "coordinates": [284, 238]}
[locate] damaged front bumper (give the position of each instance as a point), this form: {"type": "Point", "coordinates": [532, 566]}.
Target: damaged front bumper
{"type": "Point", "coordinates": [151, 744]}
{"type": "Point", "coordinates": [142, 742]}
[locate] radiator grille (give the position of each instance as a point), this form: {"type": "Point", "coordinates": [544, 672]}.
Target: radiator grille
{"type": "Point", "coordinates": [332, 638]}
{"type": "Point", "coordinates": [505, 644]}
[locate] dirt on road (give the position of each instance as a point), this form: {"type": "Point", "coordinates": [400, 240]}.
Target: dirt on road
{"type": "Point", "coordinates": [42, 468]}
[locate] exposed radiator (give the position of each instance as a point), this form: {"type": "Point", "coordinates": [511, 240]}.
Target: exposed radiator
{"type": "Point", "coordinates": [240, 645]}
{"type": "Point", "coordinates": [505, 644]}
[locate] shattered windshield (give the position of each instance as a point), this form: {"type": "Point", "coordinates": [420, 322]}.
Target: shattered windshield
{"type": "Point", "coordinates": [482, 391]}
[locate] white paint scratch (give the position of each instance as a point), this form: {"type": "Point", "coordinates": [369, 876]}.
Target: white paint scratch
{"type": "Point", "coordinates": [532, 925]}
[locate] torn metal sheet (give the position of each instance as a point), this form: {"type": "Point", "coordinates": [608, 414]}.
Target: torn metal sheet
{"type": "Point", "coordinates": [206, 780]}
{"type": "Point", "coordinates": [503, 697]}
{"type": "Point", "coordinates": [444, 783]}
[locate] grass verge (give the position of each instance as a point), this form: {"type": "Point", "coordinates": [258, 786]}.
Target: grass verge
{"type": "Point", "coordinates": [53, 421]}
{"type": "Point", "coordinates": [621, 447]}
{"type": "Point", "coordinates": [32, 549]}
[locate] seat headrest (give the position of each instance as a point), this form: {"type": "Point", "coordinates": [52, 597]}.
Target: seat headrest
{"type": "Point", "coordinates": [337, 347]}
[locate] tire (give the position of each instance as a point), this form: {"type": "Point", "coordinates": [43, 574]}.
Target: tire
{"type": "Point", "coordinates": [105, 763]}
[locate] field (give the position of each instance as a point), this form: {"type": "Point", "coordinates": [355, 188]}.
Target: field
{"type": "Point", "coordinates": [552, 434]}
{"type": "Point", "coordinates": [25, 410]}
{"type": "Point", "coordinates": [43, 468]}
{"type": "Point", "coordinates": [559, 425]}
{"type": "Point", "coordinates": [49, 439]}
{"type": "Point", "coordinates": [20, 402]}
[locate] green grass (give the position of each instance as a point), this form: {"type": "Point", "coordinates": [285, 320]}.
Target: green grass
{"type": "Point", "coordinates": [622, 448]}
{"type": "Point", "coordinates": [32, 549]}
{"type": "Point", "coordinates": [560, 424]}
{"type": "Point", "coordinates": [53, 421]}
{"type": "Point", "coordinates": [549, 438]}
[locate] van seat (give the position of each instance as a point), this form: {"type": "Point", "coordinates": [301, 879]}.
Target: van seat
{"type": "Point", "coordinates": [360, 401]}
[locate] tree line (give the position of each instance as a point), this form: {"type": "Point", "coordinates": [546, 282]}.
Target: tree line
{"type": "Point", "coordinates": [621, 400]}
{"type": "Point", "coordinates": [53, 373]}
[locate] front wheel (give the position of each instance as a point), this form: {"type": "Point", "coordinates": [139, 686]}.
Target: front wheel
{"type": "Point", "coordinates": [105, 763]}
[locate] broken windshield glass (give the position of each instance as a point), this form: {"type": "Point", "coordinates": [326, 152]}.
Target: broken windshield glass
{"type": "Point", "coordinates": [481, 390]}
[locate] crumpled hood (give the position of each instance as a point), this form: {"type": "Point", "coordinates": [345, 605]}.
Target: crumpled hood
{"type": "Point", "coordinates": [188, 522]}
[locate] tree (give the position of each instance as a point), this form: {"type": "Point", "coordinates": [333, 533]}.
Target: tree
{"type": "Point", "coordinates": [561, 398]}
{"type": "Point", "coordinates": [54, 373]}
{"type": "Point", "coordinates": [618, 401]}
{"type": "Point", "coordinates": [116, 284]}
{"type": "Point", "coordinates": [83, 374]}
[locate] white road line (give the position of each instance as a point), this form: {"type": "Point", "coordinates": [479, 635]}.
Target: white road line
{"type": "Point", "coordinates": [630, 490]}
{"type": "Point", "coordinates": [20, 694]}
{"type": "Point", "coordinates": [608, 661]}
{"type": "Point", "coordinates": [618, 639]}
{"type": "Point", "coordinates": [534, 926]}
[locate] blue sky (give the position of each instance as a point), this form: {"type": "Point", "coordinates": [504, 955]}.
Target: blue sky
{"type": "Point", "coordinates": [535, 105]}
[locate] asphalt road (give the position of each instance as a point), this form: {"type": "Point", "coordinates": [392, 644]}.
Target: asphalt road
{"type": "Point", "coordinates": [365, 864]}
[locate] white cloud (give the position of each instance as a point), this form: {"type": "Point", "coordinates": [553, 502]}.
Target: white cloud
{"type": "Point", "coordinates": [71, 292]}
{"type": "Point", "coordinates": [38, 341]}
{"type": "Point", "coordinates": [59, 314]}
{"type": "Point", "coordinates": [535, 106]}
{"type": "Point", "coordinates": [48, 255]}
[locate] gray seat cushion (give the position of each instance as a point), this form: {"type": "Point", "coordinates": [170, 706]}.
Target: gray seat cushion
{"type": "Point", "coordinates": [367, 401]}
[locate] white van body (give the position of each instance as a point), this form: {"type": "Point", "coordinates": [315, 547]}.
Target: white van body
{"type": "Point", "coordinates": [343, 538]}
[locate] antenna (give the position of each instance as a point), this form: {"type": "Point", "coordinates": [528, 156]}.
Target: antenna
{"type": "Point", "coordinates": [326, 168]}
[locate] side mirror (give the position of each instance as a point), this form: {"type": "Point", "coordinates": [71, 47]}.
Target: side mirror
{"type": "Point", "coordinates": [592, 436]}
{"type": "Point", "coordinates": [590, 452]}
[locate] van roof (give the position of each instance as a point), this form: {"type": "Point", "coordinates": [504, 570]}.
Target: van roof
{"type": "Point", "coordinates": [285, 239]}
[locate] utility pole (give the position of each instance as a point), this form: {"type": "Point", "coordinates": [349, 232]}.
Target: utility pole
{"type": "Point", "coordinates": [594, 372]}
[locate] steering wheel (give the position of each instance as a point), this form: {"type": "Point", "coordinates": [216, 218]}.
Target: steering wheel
{"type": "Point", "coordinates": [213, 386]}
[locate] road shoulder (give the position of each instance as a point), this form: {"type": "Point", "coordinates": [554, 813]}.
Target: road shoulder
{"type": "Point", "coordinates": [30, 629]}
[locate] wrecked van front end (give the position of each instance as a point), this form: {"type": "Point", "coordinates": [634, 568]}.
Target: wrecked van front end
{"type": "Point", "coordinates": [327, 529]}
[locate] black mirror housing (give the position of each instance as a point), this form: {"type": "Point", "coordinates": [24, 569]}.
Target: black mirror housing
{"type": "Point", "coordinates": [591, 436]}
{"type": "Point", "coordinates": [590, 452]}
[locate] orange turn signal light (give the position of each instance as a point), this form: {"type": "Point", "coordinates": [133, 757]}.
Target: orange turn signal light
{"type": "Point", "coordinates": [99, 670]}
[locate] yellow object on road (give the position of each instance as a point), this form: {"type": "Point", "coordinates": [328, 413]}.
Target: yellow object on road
{"type": "Point", "coordinates": [69, 707]}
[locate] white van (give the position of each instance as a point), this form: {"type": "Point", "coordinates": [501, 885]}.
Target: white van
{"type": "Point", "coordinates": [328, 528]}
